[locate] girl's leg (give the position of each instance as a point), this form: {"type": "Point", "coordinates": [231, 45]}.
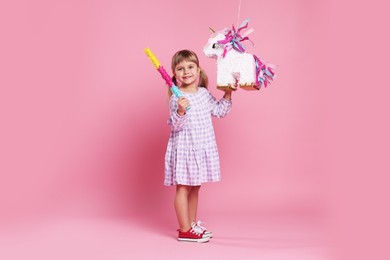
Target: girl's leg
{"type": "Point", "coordinates": [182, 207]}
{"type": "Point", "coordinates": [193, 203]}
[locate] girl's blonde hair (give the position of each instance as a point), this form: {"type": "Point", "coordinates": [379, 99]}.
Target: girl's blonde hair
{"type": "Point", "coordinates": [187, 55]}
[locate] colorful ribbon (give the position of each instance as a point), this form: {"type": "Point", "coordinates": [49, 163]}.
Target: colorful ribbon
{"type": "Point", "coordinates": [233, 38]}
{"type": "Point", "coordinates": [264, 73]}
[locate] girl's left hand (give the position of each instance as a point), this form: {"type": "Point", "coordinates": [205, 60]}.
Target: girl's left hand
{"type": "Point", "coordinates": [228, 93]}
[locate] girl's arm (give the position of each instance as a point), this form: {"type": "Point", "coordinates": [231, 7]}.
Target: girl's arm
{"type": "Point", "coordinates": [222, 107]}
{"type": "Point", "coordinates": [228, 95]}
{"type": "Point", "coordinates": [176, 119]}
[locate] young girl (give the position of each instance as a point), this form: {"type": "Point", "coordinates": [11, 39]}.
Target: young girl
{"type": "Point", "coordinates": [192, 155]}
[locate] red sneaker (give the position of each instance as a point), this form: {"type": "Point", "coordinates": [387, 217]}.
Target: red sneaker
{"type": "Point", "coordinates": [192, 235]}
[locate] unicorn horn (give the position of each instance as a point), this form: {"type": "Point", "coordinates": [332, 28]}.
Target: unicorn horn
{"type": "Point", "coordinates": [211, 30]}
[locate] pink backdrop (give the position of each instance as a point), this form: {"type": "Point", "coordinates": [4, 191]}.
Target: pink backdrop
{"type": "Point", "coordinates": [84, 112]}
{"type": "Point", "coordinates": [87, 132]}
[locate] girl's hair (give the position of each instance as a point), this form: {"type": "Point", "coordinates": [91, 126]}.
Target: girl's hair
{"type": "Point", "coordinates": [187, 55]}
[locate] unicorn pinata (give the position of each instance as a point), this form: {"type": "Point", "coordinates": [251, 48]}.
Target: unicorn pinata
{"type": "Point", "coordinates": [234, 65]}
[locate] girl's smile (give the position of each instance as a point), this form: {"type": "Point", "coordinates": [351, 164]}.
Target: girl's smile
{"type": "Point", "coordinates": [187, 72]}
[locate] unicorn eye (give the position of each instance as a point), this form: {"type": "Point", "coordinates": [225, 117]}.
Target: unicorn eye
{"type": "Point", "coordinates": [215, 45]}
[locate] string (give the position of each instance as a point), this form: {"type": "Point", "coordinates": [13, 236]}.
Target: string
{"type": "Point", "coordinates": [238, 15]}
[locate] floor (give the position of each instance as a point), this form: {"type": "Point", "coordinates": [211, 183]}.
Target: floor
{"type": "Point", "coordinates": [236, 236]}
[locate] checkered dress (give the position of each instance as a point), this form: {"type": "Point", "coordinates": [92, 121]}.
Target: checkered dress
{"type": "Point", "coordinates": [192, 155]}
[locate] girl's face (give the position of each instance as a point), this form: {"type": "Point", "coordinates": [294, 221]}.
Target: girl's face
{"type": "Point", "coordinates": [187, 73]}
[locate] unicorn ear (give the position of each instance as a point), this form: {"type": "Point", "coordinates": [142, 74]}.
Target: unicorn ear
{"type": "Point", "coordinates": [211, 30]}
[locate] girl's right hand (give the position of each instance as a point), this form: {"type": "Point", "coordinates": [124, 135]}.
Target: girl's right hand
{"type": "Point", "coordinates": [183, 104]}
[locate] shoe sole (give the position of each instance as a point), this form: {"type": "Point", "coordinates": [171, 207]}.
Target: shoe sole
{"type": "Point", "coordinates": [210, 235]}
{"type": "Point", "coordinates": [199, 240]}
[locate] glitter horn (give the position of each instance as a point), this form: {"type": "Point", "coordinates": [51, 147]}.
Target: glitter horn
{"type": "Point", "coordinates": [175, 90]}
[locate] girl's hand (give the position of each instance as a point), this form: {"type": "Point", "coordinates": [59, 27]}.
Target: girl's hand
{"type": "Point", "coordinates": [183, 104]}
{"type": "Point", "coordinates": [228, 93]}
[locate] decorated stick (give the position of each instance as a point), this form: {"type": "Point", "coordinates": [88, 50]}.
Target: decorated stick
{"type": "Point", "coordinates": [175, 90]}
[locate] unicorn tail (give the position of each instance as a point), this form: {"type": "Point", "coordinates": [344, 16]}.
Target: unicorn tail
{"type": "Point", "coordinates": [264, 73]}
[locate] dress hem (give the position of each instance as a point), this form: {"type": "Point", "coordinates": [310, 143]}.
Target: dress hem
{"type": "Point", "coordinates": [174, 184]}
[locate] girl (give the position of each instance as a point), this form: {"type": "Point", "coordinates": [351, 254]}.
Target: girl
{"type": "Point", "coordinates": [192, 155]}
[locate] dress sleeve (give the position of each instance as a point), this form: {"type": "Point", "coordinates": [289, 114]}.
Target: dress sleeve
{"type": "Point", "coordinates": [176, 121]}
{"type": "Point", "coordinates": [219, 108]}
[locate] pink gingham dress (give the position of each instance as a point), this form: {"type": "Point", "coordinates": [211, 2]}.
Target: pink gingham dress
{"type": "Point", "coordinates": [192, 155]}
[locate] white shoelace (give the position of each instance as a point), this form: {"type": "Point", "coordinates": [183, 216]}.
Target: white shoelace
{"type": "Point", "coordinates": [196, 231]}
{"type": "Point", "coordinates": [199, 224]}
{"type": "Point", "coordinates": [198, 227]}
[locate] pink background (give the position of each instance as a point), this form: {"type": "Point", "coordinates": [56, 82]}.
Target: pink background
{"type": "Point", "coordinates": [83, 113]}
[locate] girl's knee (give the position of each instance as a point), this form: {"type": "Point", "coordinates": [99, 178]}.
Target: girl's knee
{"type": "Point", "coordinates": [183, 188]}
{"type": "Point", "coordinates": [195, 189]}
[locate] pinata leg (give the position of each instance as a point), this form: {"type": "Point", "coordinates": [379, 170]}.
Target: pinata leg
{"type": "Point", "coordinates": [234, 86]}
{"type": "Point", "coordinates": [236, 76]}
